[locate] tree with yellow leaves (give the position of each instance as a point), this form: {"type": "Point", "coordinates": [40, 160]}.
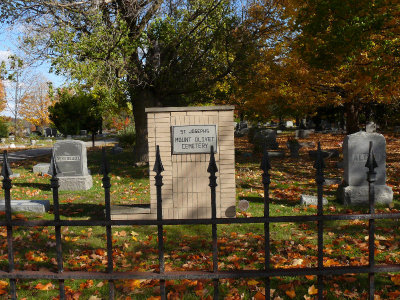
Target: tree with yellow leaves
{"type": "Point", "coordinates": [2, 95]}
{"type": "Point", "coordinates": [356, 43]}
{"type": "Point", "coordinates": [35, 103]}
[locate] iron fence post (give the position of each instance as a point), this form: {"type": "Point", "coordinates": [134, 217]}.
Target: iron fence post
{"type": "Point", "coordinates": [105, 169]}
{"type": "Point", "coordinates": [319, 165]}
{"type": "Point", "coordinates": [158, 169]}
{"type": "Point", "coordinates": [212, 169]}
{"type": "Point", "coordinates": [6, 172]}
{"type": "Point", "coordinates": [54, 183]}
{"type": "Point", "coordinates": [266, 180]}
{"type": "Point", "coordinates": [371, 178]}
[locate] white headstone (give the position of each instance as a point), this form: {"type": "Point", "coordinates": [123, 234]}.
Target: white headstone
{"type": "Point", "coordinates": [370, 127]}
{"type": "Point", "coordinates": [289, 124]}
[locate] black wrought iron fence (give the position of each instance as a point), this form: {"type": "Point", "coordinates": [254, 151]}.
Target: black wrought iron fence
{"type": "Point", "coordinates": [215, 275]}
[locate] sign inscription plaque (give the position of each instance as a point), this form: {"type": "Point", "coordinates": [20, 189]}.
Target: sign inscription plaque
{"type": "Point", "coordinates": [193, 139]}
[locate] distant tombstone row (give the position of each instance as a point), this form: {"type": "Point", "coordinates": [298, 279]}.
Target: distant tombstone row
{"type": "Point", "coordinates": [50, 132]}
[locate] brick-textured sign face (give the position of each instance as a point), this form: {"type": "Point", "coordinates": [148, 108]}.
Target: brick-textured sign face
{"type": "Point", "coordinates": [193, 139]}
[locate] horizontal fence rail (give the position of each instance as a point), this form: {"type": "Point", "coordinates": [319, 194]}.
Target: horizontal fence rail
{"type": "Point", "coordinates": [215, 275]}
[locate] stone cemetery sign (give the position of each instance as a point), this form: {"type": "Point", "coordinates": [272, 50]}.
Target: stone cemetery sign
{"type": "Point", "coordinates": [71, 161]}
{"type": "Point", "coordinates": [194, 139]}
{"type": "Point", "coordinates": [354, 189]}
{"type": "Point", "coordinates": [185, 136]}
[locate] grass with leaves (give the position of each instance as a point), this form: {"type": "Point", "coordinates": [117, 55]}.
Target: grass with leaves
{"type": "Point", "coordinates": [240, 246]}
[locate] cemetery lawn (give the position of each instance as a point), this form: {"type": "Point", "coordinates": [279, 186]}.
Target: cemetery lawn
{"type": "Point", "coordinates": [189, 247]}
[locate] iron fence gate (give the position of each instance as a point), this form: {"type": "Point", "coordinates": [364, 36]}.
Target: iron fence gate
{"type": "Point", "coordinates": [215, 275]}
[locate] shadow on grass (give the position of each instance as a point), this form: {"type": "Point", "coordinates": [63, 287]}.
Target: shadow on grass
{"type": "Point", "coordinates": [254, 199]}
{"type": "Point", "coordinates": [118, 164]}
{"type": "Point", "coordinates": [81, 210]}
{"type": "Point", "coordinates": [40, 186]}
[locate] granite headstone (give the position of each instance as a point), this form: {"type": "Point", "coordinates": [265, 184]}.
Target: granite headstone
{"type": "Point", "coordinates": [47, 132]}
{"type": "Point", "coordinates": [354, 189]}
{"type": "Point", "coordinates": [302, 133]}
{"type": "Point", "coordinates": [294, 147]}
{"type": "Point", "coordinates": [370, 127]}
{"type": "Point", "coordinates": [71, 160]}
{"type": "Point", "coordinates": [265, 137]}
{"type": "Point", "coordinates": [289, 124]}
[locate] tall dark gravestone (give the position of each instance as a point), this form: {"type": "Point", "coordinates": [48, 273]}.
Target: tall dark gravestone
{"type": "Point", "coordinates": [354, 189]}
{"type": "Point", "coordinates": [71, 160]}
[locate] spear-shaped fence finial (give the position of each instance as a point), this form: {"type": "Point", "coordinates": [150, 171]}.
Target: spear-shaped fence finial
{"type": "Point", "coordinates": [6, 170]}
{"type": "Point", "coordinates": [371, 164]}
{"type": "Point", "coordinates": [319, 165]}
{"type": "Point", "coordinates": [265, 163]}
{"type": "Point", "coordinates": [53, 169]}
{"type": "Point", "coordinates": [158, 166]}
{"type": "Point", "coordinates": [105, 168]}
{"type": "Point", "coordinates": [212, 166]}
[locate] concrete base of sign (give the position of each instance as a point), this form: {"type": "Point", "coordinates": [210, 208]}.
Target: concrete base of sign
{"type": "Point", "coordinates": [143, 212]}
{"type": "Point", "coordinates": [75, 183]}
{"type": "Point", "coordinates": [38, 206]}
{"type": "Point", "coordinates": [132, 212]}
{"type": "Point", "coordinates": [311, 200]}
{"type": "Point", "coordinates": [358, 195]}
{"type": "Point", "coordinates": [42, 168]}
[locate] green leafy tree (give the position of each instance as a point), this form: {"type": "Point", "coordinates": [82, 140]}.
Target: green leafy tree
{"type": "Point", "coordinates": [76, 111]}
{"type": "Point", "coordinates": [3, 128]}
{"type": "Point", "coordinates": [150, 53]}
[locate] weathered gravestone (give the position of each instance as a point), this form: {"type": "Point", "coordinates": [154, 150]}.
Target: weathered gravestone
{"type": "Point", "coordinates": [42, 168]}
{"type": "Point", "coordinates": [185, 136]}
{"type": "Point", "coordinates": [289, 124]}
{"type": "Point", "coordinates": [354, 189]}
{"type": "Point", "coordinates": [241, 129]}
{"type": "Point", "coordinates": [267, 138]}
{"type": "Point", "coordinates": [302, 133]}
{"type": "Point", "coordinates": [311, 200]}
{"type": "Point", "coordinates": [37, 206]}
{"type": "Point", "coordinates": [47, 132]}
{"type": "Point", "coordinates": [370, 127]}
{"type": "Point", "coordinates": [71, 160]}
{"type": "Point", "coordinates": [294, 147]}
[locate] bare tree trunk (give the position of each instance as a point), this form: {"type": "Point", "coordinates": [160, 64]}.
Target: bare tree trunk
{"type": "Point", "coordinates": [145, 98]}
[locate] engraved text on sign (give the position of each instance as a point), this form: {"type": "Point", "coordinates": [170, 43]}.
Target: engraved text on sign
{"type": "Point", "coordinates": [194, 139]}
